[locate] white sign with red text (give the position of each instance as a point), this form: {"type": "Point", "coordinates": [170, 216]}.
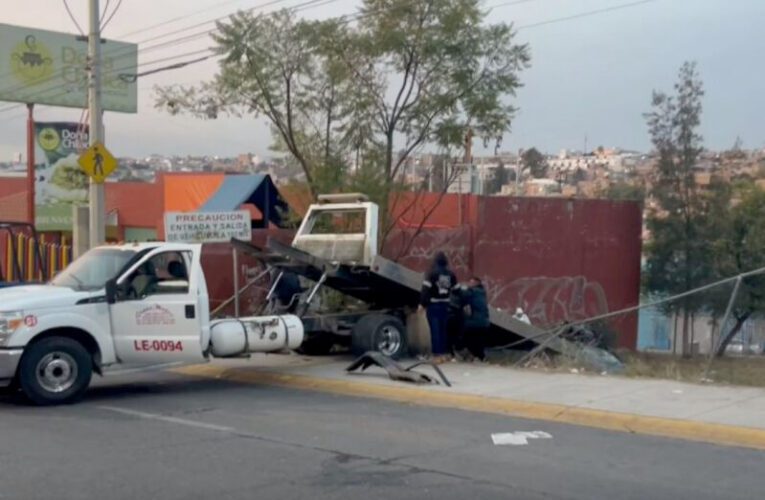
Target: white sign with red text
{"type": "Point", "coordinates": [207, 227]}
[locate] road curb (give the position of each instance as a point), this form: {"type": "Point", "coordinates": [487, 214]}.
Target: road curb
{"type": "Point", "coordinates": [688, 430]}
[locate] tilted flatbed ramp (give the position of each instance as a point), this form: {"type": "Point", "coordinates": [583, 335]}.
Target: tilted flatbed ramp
{"type": "Point", "coordinates": [387, 284]}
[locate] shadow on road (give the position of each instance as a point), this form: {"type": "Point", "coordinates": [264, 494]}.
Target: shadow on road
{"type": "Point", "coordinates": [115, 390]}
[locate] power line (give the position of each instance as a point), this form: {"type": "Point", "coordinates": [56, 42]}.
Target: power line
{"type": "Point", "coordinates": [111, 16]}
{"type": "Point", "coordinates": [43, 92]}
{"type": "Point", "coordinates": [103, 14]}
{"type": "Point", "coordinates": [299, 7]}
{"type": "Point", "coordinates": [169, 43]}
{"type": "Point", "coordinates": [179, 65]}
{"type": "Point", "coordinates": [220, 18]}
{"type": "Point", "coordinates": [303, 6]}
{"type": "Point", "coordinates": [71, 16]}
{"type": "Point", "coordinates": [344, 19]}
{"type": "Point", "coordinates": [116, 53]}
{"type": "Point", "coordinates": [192, 14]}
{"type": "Point", "coordinates": [194, 36]}
{"type": "Point", "coordinates": [585, 14]}
{"type": "Point", "coordinates": [507, 4]}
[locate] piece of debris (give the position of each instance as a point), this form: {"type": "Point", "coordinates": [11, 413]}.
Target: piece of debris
{"type": "Point", "coordinates": [519, 438]}
{"type": "Point", "coordinates": [395, 370]}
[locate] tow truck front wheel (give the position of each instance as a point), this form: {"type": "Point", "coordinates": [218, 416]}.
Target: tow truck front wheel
{"type": "Point", "coordinates": [55, 370]}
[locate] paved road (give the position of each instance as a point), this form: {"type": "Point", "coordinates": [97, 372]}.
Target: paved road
{"type": "Point", "coordinates": [163, 436]}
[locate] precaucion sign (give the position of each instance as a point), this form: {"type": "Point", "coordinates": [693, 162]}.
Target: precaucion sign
{"type": "Point", "coordinates": [207, 227]}
{"type": "Point", "coordinates": [97, 162]}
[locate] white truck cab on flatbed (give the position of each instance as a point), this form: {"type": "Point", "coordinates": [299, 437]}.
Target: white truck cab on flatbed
{"type": "Point", "coordinates": [117, 307]}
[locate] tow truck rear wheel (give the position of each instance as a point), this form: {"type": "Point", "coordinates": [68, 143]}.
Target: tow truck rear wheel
{"type": "Point", "coordinates": [55, 370]}
{"type": "Point", "coordinates": [379, 332]}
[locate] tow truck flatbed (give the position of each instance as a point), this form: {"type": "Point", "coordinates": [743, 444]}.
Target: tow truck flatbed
{"type": "Point", "coordinates": [388, 285]}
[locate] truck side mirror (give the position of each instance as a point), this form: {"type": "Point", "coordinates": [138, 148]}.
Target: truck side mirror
{"type": "Point", "coordinates": [111, 291]}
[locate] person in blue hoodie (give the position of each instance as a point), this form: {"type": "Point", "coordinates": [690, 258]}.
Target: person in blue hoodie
{"type": "Point", "coordinates": [434, 298]}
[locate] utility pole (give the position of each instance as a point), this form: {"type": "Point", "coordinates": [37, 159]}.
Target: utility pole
{"type": "Point", "coordinates": [96, 132]}
{"type": "Point", "coordinates": [519, 172]}
{"type": "Point", "coordinates": [468, 159]}
{"type": "Point", "coordinates": [31, 175]}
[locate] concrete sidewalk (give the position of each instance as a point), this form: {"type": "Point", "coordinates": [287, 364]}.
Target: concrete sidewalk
{"type": "Point", "coordinates": [652, 406]}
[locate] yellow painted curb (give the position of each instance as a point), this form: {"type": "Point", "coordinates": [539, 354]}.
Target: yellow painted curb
{"type": "Point", "coordinates": [622, 422]}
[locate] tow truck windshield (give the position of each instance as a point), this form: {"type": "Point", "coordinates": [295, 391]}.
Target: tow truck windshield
{"type": "Point", "coordinates": [94, 269]}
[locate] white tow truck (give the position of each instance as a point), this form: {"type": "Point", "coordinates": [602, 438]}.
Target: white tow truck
{"type": "Point", "coordinates": [145, 305]}
{"type": "Point", "coordinates": [119, 307]}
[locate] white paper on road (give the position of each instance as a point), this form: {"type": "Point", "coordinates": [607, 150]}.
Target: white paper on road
{"type": "Point", "coordinates": [519, 438]}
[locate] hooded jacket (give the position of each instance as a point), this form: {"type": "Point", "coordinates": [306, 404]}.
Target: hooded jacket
{"type": "Point", "coordinates": [437, 286]}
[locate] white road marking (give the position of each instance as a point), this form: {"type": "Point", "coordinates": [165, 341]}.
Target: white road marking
{"type": "Point", "coordinates": [518, 438]}
{"type": "Point", "coordinates": [170, 420]}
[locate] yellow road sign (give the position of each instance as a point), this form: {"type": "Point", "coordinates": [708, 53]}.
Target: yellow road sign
{"type": "Point", "coordinates": [97, 162]}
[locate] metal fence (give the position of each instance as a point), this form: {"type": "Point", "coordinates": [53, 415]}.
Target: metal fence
{"type": "Point", "coordinates": [19, 261]}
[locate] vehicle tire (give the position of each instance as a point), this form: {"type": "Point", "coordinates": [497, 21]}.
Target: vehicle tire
{"type": "Point", "coordinates": [55, 370]}
{"type": "Point", "coordinates": [381, 333]}
{"type": "Point", "coordinates": [318, 344]}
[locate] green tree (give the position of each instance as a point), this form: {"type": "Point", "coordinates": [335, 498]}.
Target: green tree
{"type": "Point", "coordinates": [283, 69]}
{"type": "Point", "coordinates": [678, 256]}
{"type": "Point", "coordinates": [624, 191]}
{"type": "Point", "coordinates": [535, 163]}
{"type": "Point", "coordinates": [405, 75]}
{"type": "Point", "coordinates": [737, 249]}
{"type": "Point", "coordinates": [500, 178]}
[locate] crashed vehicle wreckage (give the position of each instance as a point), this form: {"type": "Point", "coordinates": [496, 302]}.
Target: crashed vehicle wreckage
{"type": "Point", "coordinates": [336, 248]}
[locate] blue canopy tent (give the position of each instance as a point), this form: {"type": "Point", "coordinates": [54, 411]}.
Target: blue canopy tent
{"type": "Point", "coordinates": [256, 189]}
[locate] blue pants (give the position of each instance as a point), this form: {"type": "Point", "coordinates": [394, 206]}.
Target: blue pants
{"type": "Point", "coordinates": [438, 318]}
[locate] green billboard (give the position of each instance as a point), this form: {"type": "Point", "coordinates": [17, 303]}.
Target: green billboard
{"type": "Point", "coordinates": [59, 181]}
{"type": "Point", "coordinates": [48, 67]}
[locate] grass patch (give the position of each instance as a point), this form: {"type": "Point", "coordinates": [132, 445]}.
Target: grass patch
{"type": "Point", "coordinates": [741, 370]}
{"type": "Point", "coordinates": [730, 370]}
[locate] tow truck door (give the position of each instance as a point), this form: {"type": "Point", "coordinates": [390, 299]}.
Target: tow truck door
{"type": "Point", "coordinates": [155, 317]}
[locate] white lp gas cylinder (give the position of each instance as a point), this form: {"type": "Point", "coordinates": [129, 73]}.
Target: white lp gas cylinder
{"type": "Point", "coordinates": [232, 337]}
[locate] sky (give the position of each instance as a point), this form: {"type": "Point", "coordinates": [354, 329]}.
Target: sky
{"type": "Point", "coordinates": [590, 79]}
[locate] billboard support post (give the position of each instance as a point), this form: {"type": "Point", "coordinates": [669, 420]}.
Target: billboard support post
{"type": "Point", "coordinates": [96, 189]}
{"type": "Point", "coordinates": [31, 176]}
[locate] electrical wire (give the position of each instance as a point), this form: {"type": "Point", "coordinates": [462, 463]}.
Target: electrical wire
{"type": "Point", "coordinates": [103, 14]}
{"type": "Point", "coordinates": [507, 4]}
{"type": "Point", "coordinates": [133, 78]}
{"type": "Point", "coordinates": [192, 14]}
{"type": "Point", "coordinates": [71, 16]}
{"type": "Point", "coordinates": [346, 19]}
{"type": "Point", "coordinates": [585, 14]}
{"type": "Point", "coordinates": [221, 18]}
{"type": "Point", "coordinates": [45, 92]}
{"type": "Point", "coordinates": [111, 16]}
{"type": "Point", "coordinates": [194, 36]}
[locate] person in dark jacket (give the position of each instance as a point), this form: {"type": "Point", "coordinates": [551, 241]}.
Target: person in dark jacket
{"type": "Point", "coordinates": [475, 319]}
{"type": "Point", "coordinates": [434, 298]}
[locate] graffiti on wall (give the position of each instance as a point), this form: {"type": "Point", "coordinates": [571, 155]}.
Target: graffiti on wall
{"type": "Point", "coordinates": [549, 301]}
{"type": "Point", "coordinates": [454, 242]}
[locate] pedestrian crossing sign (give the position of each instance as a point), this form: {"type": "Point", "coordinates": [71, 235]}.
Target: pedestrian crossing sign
{"type": "Point", "coordinates": [97, 162]}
